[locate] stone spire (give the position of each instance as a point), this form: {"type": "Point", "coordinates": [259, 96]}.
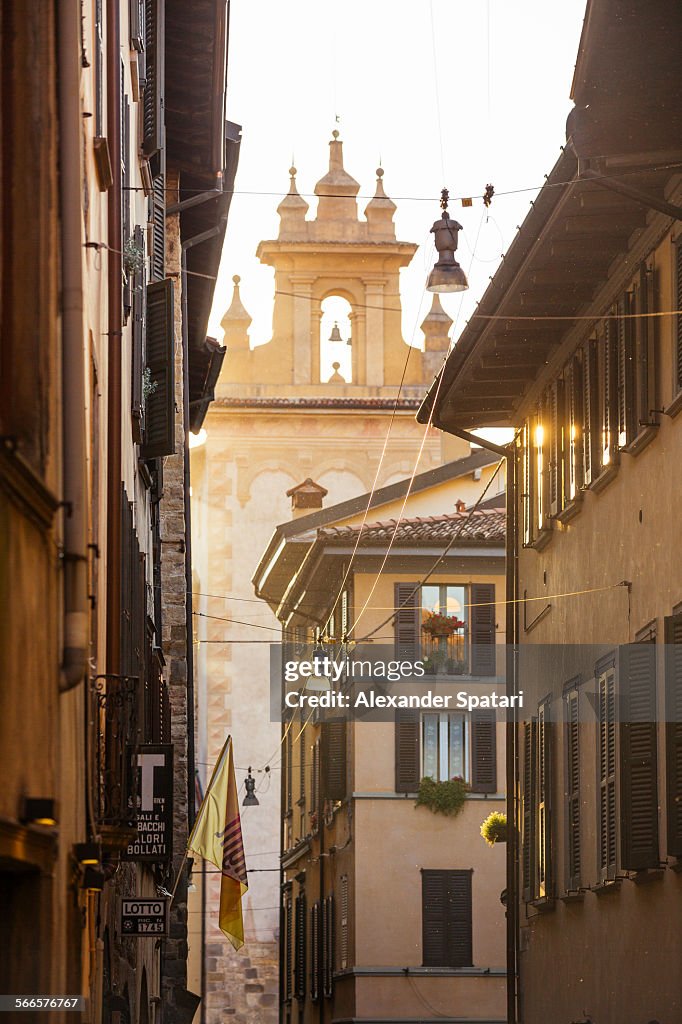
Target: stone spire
{"type": "Point", "coordinates": [337, 189]}
{"type": "Point", "coordinates": [435, 326]}
{"type": "Point", "coordinates": [379, 212]}
{"type": "Point", "coordinates": [236, 322]}
{"type": "Point", "coordinates": [292, 210]}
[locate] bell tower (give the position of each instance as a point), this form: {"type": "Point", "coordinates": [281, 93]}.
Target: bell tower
{"type": "Point", "coordinates": [341, 255]}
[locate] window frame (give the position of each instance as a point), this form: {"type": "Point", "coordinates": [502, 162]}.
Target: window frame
{"type": "Point", "coordinates": [443, 752]}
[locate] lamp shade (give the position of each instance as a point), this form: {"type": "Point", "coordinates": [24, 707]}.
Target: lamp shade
{"type": "Point", "coordinates": [38, 810]}
{"type": "Point", "coordinates": [447, 278]}
{"type": "Point", "coordinates": [447, 275]}
{"type": "Point", "coordinates": [86, 853]}
{"type": "Point", "coordinates": [93, 880]}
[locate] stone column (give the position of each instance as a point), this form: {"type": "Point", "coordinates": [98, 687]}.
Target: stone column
{"type": "Point", "coordinates": [303, 322]}
{"type": "Point", "coordinates": [374, 299]}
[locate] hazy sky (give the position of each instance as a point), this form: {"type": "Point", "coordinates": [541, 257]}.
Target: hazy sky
{"type": "Point", "coordinates": [491, 107]}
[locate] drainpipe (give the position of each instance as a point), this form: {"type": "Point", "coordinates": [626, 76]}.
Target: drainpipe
{"type": "Point", "coordinates": [114, 344]}
{"type": "Point", "coordinates": [508, 452]}
{"type": "Point", "coordinates": [75, 636]}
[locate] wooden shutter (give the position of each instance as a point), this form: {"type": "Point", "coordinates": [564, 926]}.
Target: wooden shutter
{"type": "Point", "coordinates": [315, 949]}
{"type": "Point", "coordinates": [138, 364]}
{"type": "Point", "coordinates": [288, 757]}
{"type": "Point", "coordinates": [407, 621]}
{"type": "Point", "coordinates": [591, 436]}
{"type": "Point", "coordinates": [315, 786]}
{"type": "Point", "coordinates": [626, 371]}
{"type": "Point", "coordinates": [673, 732]}
{"type": "Point", "coordinates": [573, 790]}
{"type": "Point", "coordinates": [301, 767]}
{"type": "Point", "coordinates": [343, 924]}
{"type": "Point", "coordinates": [543, 824]}
{"type": "Point", "coordinates": [157, 216]}
{"type": "Point", "coordinates": [645, 343]}
{"type": "Point", "coordinates": [528, 797]}
{"type": "Point", "coordinates": [573, 473]}
{"type": "Point", "coordinates": [288, 950]}
{"type": "Point", "coordinates": [607, 774]}
{"type": "Point", "coordinates": [446, 918]}
{"type": "Point", "coordinates": [333, 764]}
{"type": "Point", "coordinates": [301, 921]}
{"type": "Point", "coordinates": [328, 946]}
{"type": "Point", "coordinates": [483, 629]}
{"type": "Point", "coordinates": [483, 751]}
{"type": "Point", "coordinates": [528, 496]}
{"type": "Point", "coordinates": [159, 436]}
{"type": "Point", "coordinates": [610, 390]}
{"type": "Point", "coordinates": [152, 104]}
{"type": "Point", "coordinates": [556, 440]}
{"type": "Point", "coordinates": [638, 757]}
{"type": "Point", "coordinates": [407, 752]}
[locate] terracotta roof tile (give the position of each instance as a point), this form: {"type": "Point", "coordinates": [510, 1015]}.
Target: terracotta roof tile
{"type": "Point", "coordinates": [481, 526]}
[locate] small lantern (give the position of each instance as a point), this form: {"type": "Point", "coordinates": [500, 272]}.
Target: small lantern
{"type": "Point", "coordinates": [93, 880]}
{"type": "Point", "coordinates": [447, 275]}
{"type": "Point", "coordinates": [39, 811]}
{"type": "Point", "coordinates": [250, 800]}
{"type": "Point", "coordinates": [86, 853]}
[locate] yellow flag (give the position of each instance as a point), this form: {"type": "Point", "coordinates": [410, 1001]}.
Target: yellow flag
{"type": "Point", "coordinates": [217, 837]}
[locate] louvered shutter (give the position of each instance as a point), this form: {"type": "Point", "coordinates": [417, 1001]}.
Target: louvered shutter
{"type": "Point", "coordinates": [315, 948]}
{"type": "Point", "coordinates": [315, 785]}
{"type": "Point", "coordinates": [159, 419]}
{"type": "Point", "coordinates": [407, 621]}
{"type": "Point", "coordinates": [574, 467]}
{"type": "Point", "coordinates": [573, 789]}
{"type": "Point", "coordinates": [678, 318]}
{"type": "Point", "coordinates": [138, 308]}
{"type": "Point", "coordinates": [300, 925]}
{"type": "Point", "coordinates": [483, 751]}
{"type": "Point", "coordinates": [343, 924]}
{"type": "Point", "coordinates": [610, 390]}
{"type": "Point", "coordinates": [607, 774]}
{"type": "Point", "coordinates": [334, 760]}
{"type": "Point", "coordinates": [673, 732]}
{"type": "Point", "coordinates": [557, 419]}
{"type": "Point", "coordinates": [157, 216]}
{"type": "Point", "coordinates": [126, 640]}
{"type": "Point", "coordinates": [591, 437]}
{"type": "Point", "coordinates": [446, 918]}
{"type": "Point", "coordinates": [638, 757]}
{"type": "Point", "coordinates": [407, 753]}
{"type": "Point", "coordinates": [483, 629]}
{"type": "Point", "coordinates": [626, 372]}
{"type": "Point", "coordinates": [645, 340]}
{"type": "Point", "coordinates": [302, 763]}
{"type": "Point", "coordinates": [152, 103]}
{"type": "Point", "coordinates": [543, 850]}
{"type": "Point", "coordinates": [528, 490]}
{"type": "Point", "coordinates": [136, 16]}
{"type": "Point", "coordinates": [288, 949]}
{"type": "Point", "coordinates": [328, 947]}
{"type": "Point", "coordinates": [528, 797]}
{"type": "Point", "coordinates": [287, 758]}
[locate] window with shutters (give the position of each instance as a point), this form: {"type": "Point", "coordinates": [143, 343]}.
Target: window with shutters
{"type": "Point", "coordinates": [608, 820]}
{"type": "Point", "coordinates": [555, 469]}
{"type": "Point", "coordinates": [138, 299]}
{"type": "Point", "coordinates": [645, 350]}
{"type": "Point", "coordinates": [446, 745]}
{"type": "Point", "coordinates": [572, 788]}
{"type": "Point", "coordinates": [446, 918]}
{"type": "Point", "coordinates": [608, 376]}
{"type": "Point", "coordinates": [573, 449]}
{"type": "Point", "coordinates": [529, 816]}
{"type": "Point", "coordinates": [638, 783]}
{"type": "Point", "coordinates": [300, 926]}
{"type": "Point", "coordinates": [540, 438]}
{"type": "Point", "coordinates": [157, 227]}
{"type": "Point", "coordinates": [343, 924]}
{"type": "Point", "coordinates": [528, 497]}
{"type": "Point", "coordinates": [152, 103]}
{"type": "Point", "coordinates": [315, 802]}
{"type": "Point", "coordinates": [449, 651]}
{"type": "Point", "coordinates": [159, 374]}
{"type": "Point", "coordinates": [673, 732]}
{"type": "Point", "coordinates": [287, 757]}
{"type": "Point", "coordinates": [591, 413]}
{"type": "Point", "coordinates": [626, 370]}
{"type": "Point", "coordinates": [466, 648]}
{"type": "Point", "coordinates": [543, 803]}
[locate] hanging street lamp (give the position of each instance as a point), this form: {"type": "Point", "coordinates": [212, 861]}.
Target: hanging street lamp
{"type": "Point", "coordinates": [447, 275]}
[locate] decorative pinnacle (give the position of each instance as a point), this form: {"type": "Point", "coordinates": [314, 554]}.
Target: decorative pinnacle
{"type": "Point", "coordinates": [292, 171]}
{"type": "Point", "coordinates": [380, 172]}
{"type": "Point", "coordinates": [335, 134]}
{"type": "Point", "coordinates": [236, 278]}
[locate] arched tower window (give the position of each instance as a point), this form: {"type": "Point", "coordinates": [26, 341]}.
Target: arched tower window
{"type": "Point", "coordinates": [335, 340]}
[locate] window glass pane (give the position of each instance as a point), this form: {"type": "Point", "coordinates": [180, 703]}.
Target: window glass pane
{"type": "Point", "coordinates": [456, 760]}
{"type": "Point", "coordinates": [455, 602]}
{"type": "Point", "coordinates": [430, 745]}
{"type": "Point", "coordinates": [430, 600]}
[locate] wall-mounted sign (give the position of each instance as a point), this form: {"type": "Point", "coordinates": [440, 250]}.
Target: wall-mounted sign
{"type": "Point", "coordinates": [140, 916]}
{"type": "Point", "coordinates": [152, 809]}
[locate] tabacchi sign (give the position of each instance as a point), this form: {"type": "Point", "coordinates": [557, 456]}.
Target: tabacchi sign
{"type": "Point", "coordinates": [153, 814]}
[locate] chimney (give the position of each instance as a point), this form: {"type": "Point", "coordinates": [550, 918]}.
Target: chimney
{"type": "Point", "coordinates": [460, 505]}
{"type": "Point", "coordinates": [306, 497]}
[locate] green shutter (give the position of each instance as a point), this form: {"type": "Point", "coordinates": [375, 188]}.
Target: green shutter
{"type": "Point", "coordinates": [334, 760]}
{"type": "Point", "coordinates": [638, 758]}
{"type": "Point", "coordinates": [483, 751]}
{"type": "Point", "coordinates": [483, 629]}
{"type": "Point", "coordinates": [407, 751]}
{"type": "Point", "coordinates": [673, 731]}
{"type": "Point", "coordinates": [159, 435]}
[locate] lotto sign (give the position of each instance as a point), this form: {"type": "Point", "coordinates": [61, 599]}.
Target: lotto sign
{"type": "Point", "coordinates": [144, 917]}
{"type": "Point", "coordinates": [153, 810]}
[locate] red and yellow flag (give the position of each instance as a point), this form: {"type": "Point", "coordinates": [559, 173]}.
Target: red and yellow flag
{"type": "Point", "coordinates": [217, 837]}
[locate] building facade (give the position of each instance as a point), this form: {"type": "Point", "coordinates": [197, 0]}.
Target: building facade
{"type": "Point", "coordinates": [105, 368]}
{"type": "Point", "coordinates": [390, 911]}
{"type": "Point", "coordinates": [282, 415]}
{"type": "Point", "coordinates": [593, 390]}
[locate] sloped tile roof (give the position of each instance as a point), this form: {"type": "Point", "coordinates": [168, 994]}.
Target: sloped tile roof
{"type": "Point", "coordinates": [476, 527]}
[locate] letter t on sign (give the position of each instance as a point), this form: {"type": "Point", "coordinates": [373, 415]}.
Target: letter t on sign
{"type": "Point", "coordinates": [148, 762]}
